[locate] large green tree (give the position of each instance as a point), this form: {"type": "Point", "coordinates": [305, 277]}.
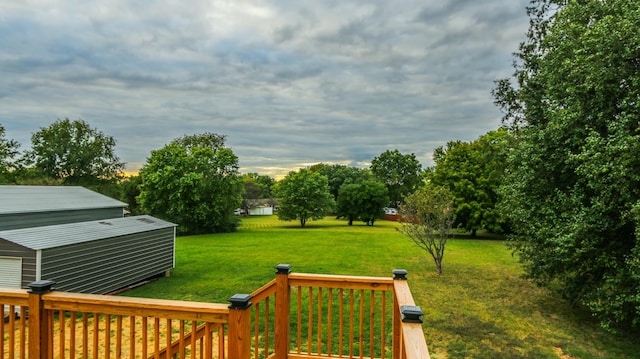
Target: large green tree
{"type": "Point", "coordinates": [74, 152]}
{"type": "Point", "coordinates": [194, 182]}
{"type": "Point", "coordinates": [572, 191]}
{"type": "Point", "coordinates": [8, 152]}
{"type": "Point", "coordinates": [363, 201]}
{"type": "Point", "coordinates": [473, 172]}
{"type": "Point", "coordinates": [303, 195]}
{"type": "Point", "coordinates": [401, 173]}
{"type": "Point", "coordinates": [338, 175]}
{"type": "Point", "coordinates": [257, 185]}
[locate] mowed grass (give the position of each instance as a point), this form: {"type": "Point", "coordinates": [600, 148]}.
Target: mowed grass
{"type": "Point", "coordinates": [479, 308]}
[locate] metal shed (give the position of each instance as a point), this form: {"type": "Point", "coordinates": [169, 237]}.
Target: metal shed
{"type": "Point", "coordinates": [88, 257]}
{"type": "Point", "coordinates": [34, 206]}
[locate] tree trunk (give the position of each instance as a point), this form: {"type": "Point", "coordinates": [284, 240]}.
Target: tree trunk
{"type": "Point", "coordinates": [473, 233]}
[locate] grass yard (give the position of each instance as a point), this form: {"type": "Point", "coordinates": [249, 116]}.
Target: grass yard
{"type": "Point", "coordinates": [479, 308]}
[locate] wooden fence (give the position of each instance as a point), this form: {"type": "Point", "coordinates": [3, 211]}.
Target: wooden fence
{"type": "Point", "coordinates": [296, 316]}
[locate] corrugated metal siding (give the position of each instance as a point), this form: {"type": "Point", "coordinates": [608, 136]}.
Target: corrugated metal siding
{"type": "Point", "coordinates": [73, 233]}
{"type": "Point", "coordinates": [9, 249]}
{"type": "Point", "coordinates": [109, 264]}
{"type": "Point", "coordinates": [38, 219]}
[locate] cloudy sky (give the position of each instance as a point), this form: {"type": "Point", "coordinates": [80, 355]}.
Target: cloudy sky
{"type": "Point", "coordinates": [289, 82]}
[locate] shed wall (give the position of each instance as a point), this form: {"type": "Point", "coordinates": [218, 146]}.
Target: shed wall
{"type": "Point", "coordinates": [10, 249]}
{"type": "Point", "coordinates": [38, 219]}
{"type": "Point", "coordinates": [107, 265]}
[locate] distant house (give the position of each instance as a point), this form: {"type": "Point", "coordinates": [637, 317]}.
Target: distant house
{"type": "Point", "coordinates": [34, 206]}
{"type": "Point", "coordinates": [78, 238]}
{"type": "Point", "coordinates": [260, 207]}
{"type": "Point", "coordinates": [88, 257]}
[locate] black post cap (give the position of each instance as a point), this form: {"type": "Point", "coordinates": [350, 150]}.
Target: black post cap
{"type": "Point", "coordinates": [400, 274]}
{"type": "Point", "coordinates": [411, 313]}
{"type": "Point", "coordinates": [283, 269]}
{"type": "Point", "coordinates": [240, 301]}
{"type": "Point", "coordinates": [41, 286]}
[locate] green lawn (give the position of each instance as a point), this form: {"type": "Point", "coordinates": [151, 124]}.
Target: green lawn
{"type": "Point", "coordinates": [479, 307]}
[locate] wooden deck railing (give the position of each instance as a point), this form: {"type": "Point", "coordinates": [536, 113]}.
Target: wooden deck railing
{"type": "Point", "coordinates": [296, 315]}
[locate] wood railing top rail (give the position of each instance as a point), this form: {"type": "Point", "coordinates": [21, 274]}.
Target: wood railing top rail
{"type": "Point", "coordinates": [340, 281]}
{"type": "Point", "coordinates": [14, 296]}
{"type": "Point", "coordinates": [266, 290]}
{"type": "Point", "coordinates": [144, 307]}
{"type": "Point", "coordinates": [414, 344]}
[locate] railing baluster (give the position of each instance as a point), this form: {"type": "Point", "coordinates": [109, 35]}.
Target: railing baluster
{"type": "Point", "coordinates": [383, 320]}
{"type": "Point", "coordinates": [266, 328]}
{"type": "Point", "coordinates": [194, 327]}
{"type": "Point", "coordinates": [168, 337]}
{"type": "Point", "coordinates": [145, 338]}
{"type": "Point", "coordinates": [181, 347]}
{"type": "Point", "coordinates": [12, 334]}
{"type": "Point", "coordinates": [48, 323]}
{"type": "Point", "coordinates": [361, 322]}
{"type": "Point", "coordinates": [72, 335]}
{"type": "Point", "coordinates": [351, 318]}
{"type": "Point", "coordinates": [256, 330]}
{"type": "Point", "coordinates": [208, 343]}
{"type": "Point", "coordinates": [372, 332]}
{"type": "Point", "coordinates": [96, 331]}
{"type": "Point", "coordinates": [23, 332]}
{"type": "Point", "coordinates": [310, 321]}
{"type": "Point", "coordinates": [329, 321]}
{"type": "Point", "coordinates": [299, 319]}
{"type": "Point", "coordinates": [107, 336]}
{"type": "Point", "coordinates": [61, 336]}
{"type": "Point", "coordinates": [319, 320]}
{"type": "Point", "coordinates": [132, 336]}
{"type": "Point", "coordinates": [85, 335]}
{"type": "Point", "coordinates": [118, 336]}
{"type": "Point", "coordinates": [341, 322]}
{"type": "Point", "coordinates": [156, 338]}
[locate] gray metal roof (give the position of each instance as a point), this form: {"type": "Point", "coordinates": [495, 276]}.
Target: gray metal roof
{"type": "Point", "coordinates": [73, 233]}
{"type": "Point", "coordinates": [25, 199]}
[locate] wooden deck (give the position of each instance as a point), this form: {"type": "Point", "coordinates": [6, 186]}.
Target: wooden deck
{"type": "Point", "coordinates": [295, 315]}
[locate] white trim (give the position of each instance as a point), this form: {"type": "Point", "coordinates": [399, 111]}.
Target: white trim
{"type": "Point", "coordinates": [38, 264]}
{"type": "Point", "coordinates": [174, 248]}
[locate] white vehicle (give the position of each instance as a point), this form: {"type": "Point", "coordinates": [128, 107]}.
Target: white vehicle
{"type": "Point", "coordinates": [388, 210]}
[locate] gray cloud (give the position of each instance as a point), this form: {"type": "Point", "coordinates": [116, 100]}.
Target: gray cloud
{"type": "Point", "coordinates": [290, 83]}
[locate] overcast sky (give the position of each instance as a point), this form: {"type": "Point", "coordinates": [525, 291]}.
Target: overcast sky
{"type": "Point", "coordinates": [289, 82]}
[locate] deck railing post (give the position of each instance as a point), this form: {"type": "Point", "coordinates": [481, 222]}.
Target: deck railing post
{"type": "Point", "coordinates": [282, 315]}
{"type": "Point", "coordinates": [240, 327]}
{"type": "Point", "coordinates": [398, 274]}
{"type": "Point", "coordinates": [39, 336]}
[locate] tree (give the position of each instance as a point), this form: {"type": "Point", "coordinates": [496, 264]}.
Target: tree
{"type": "Point", "coordinates": [400, 173]}
{"type": "Point", "coordinates": [257, 185]}
{"type": "Point", "coordinates": [303, 195]}
{"type": "Point", "coordinates": [194, 182]}
{"type": "Point", "coordinates": [362, 201]}
{"type": "Point", "coordinates": [8, 151]}
{"type": "Point", "coordinates": [473, 172]}
{"type": "Point", "coordinates": [337, 175]}
{"type": "Point", "coordinates": [426, 217]}
{"type": "Point", "coordinates": [572, 191]}
{"type": "Point", "coordinates": [130, 192]}
{"type": "Point", "coordinates": [75, 153]}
